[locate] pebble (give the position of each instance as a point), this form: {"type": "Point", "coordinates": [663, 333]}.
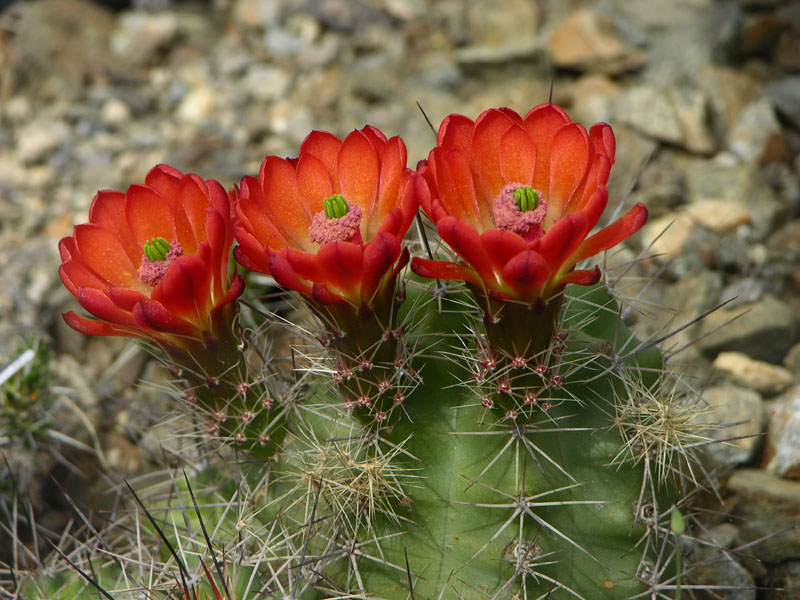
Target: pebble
{"type": "Point", "coordinates": [140, 36]}
{"type": "Point", "coordinates": [671, 115]}
{"type": "Point", "coordinates": [718, 215]}
{"type": "Point", "coordinates": [197, 104]}
{"type": "Point", "coordinates": [764, 330]}
{"type": "Point", "coordinates": [784, 94]}
{"type": "Point", "coordinates": [736, 186]}
{"type": "Point", "coordinates": [764, 378]}
{"type": "Point", "coordinates": [115, 113]}
{"type": "Point", "coordinates": [756, 136]}
{"type": "Point", "coordinates": [767, 510]}
{"type": "Point", "coordinates": [40, 139]}
{"type": "Point", "coordinates": [784, 582]}
{"type": "Point", "coordinates": [742, 291]}
{"type": "Point", "coordinates": [731, 412]}
{"type": "Point", "coordinates": [589, 41]}
{"type": "Point", "coordinates": [782, 453]}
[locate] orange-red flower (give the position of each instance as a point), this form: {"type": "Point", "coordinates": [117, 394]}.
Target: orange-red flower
{"type": "Point", "coordinates": [516, 199]}
{"type": "Point", "coordinates": [330, 223]}
{"type": "Point", "coordinates": [152, 262]}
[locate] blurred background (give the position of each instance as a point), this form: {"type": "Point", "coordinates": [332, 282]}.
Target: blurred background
{"type": "Point", "coordinates": [703, 95]}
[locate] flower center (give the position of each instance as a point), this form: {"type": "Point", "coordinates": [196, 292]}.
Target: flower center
{"type": "Point", "coordinates": [158, 255]}
{"type": "Point", "coordinates": [337, 222]}
{"type": "Point", "coordinates": [519, 208]}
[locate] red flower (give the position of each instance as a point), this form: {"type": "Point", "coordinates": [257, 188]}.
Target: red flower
{"type": "Point", "coordinates": [153, 262]}
{"type": "Point", "coordinates": [330, 223]}
{"type": "Point", "coordinates": [516, 199]}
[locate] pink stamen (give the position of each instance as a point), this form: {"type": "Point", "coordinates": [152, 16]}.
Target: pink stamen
{"type": "Point", "coordinates": [343, 229]}
{"type": "Point", "coordinates": [507, 214]}
{"type": "Point", "coordinates": [152, 272]}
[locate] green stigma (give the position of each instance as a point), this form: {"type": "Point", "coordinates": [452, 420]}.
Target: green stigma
{"type": "Point", "coordinates": [157, 249]}
{"type": "Point", "coordinates": [335, 206]}
{"type": "Point", "coordinates": [526, 198]}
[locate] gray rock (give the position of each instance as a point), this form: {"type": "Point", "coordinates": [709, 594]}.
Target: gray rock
{"type": "Point", "coordinates": [671, 115]}
{"type": "Point", "coordinates": [784, 94]}
{"type": "Point", "coordinates": [742, 291]}
{"type": "Point", "coordinates": [590, 41]}
{"type": "Point", "coordinates": [265, 82]}
{"type": "Point", "coordinates": [732, 412]}
{"type": "Point", "coordinates": [716, 567]}
{"type": "Point", "coordinates": [756, 135]}
{"type": "Point", "coordinates": [784, 582]}
{"type": "Point", "coordinates": [764, 378]}
{"type": "Point", "coordinates": [767, 508]}
{"type": "Point", "coordinates": [782, 452]}
{"type": "Point", "coordinates": [40, 139]}
{"type": "Point", "coordinates": [765, 330]}
{"type": "Point", "coordinates": [737, 184]}
{"type": "Point", "coordinates": [729, 90]}
{"type": "Point", "coordinates": [140, 36]}
{"type": "Point", "coordinates": [792, 360]}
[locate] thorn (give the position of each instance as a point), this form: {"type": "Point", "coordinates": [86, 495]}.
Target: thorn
{"type": "Point", "coordinates": [408, 574]}
{"type": "Point", "coordinates": [427, 120]}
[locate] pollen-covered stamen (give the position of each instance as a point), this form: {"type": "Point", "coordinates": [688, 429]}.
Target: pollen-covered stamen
{"type": "Point", "coordinates": [157, 256]}
{"type": "Point", "coordinates": [337, 222]}
{"type": "Point", "coordinates": [520, 208]}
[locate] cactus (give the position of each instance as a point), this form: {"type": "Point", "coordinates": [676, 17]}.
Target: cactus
{"type": "Point", "coordinates": [504, 437]}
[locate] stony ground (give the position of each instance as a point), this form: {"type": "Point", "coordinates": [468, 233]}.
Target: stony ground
{"type": "Point", "coordinates": [703, 95]}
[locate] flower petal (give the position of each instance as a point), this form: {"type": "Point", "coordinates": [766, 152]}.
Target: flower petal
{"type": "Point", "coordinates": [282, 201]}
{"type": "Point", "coordinates": [342, 264]}
{"type": "Point", "coordinates": [562, 239]}
{"type": "Point", "coordinates": [502, 245]}
{"type": "Point", "coordinates": [379, 256]}
{"type": "Point", "coordinates": [103, 253]}
{"type": "Point", "coordinates": [148, 215]}
{"type": "Point", "coordinates": [101, 306]}
{"type": "Point", "coordinates": [486, 140]}
{"type": "Point", "coordinates": [612, 235]}
{"type": "Point", "coordinates": [467, 244]}
{"type": "Point", "coordinates": [91, 327]}
{"type": "Point", "coordinates": [526, 273]}
{"type": "Point", "coordinates": [569, 159]}
{"type": "Point", "coordinates": [108, 210]}
{"type": "Point", "coordinates": [285, 275]}
{"type": "Point", "coordinates": [152, 315]}
{"type": "Point", "coordinates": [455, 132]}
{"type": "Point", "coordinates": [359, 170]}
{"type": "Point", "coordinates": [185, 290]}
{"type": "Point", "coordinates": [542, 123]}
{"type": "Point", "coordinates": [313, 183]}
{"type": "Point", "coordinates": [439, 269]}
{"type": "Point", "coordinates": [324, 146]}
{"type": "Point", "coordinates": [517, 156]}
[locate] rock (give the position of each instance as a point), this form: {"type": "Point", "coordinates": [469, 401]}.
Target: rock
{"type": "Point", "coordinates": [784, 94]}
{"type": "Point", "coordinates": [671, 115]}
{"type": "Point", "coordinates": [782, 453]}
{"type": "Point", "coordinates": [731, 412]}
{"type": "Point", "coordinates": [67, 39]}
{"type": "Point", "coordinates": [767, 510]}
{"type": "Point", "coordinates": [765, 330]}
{"type": "Point", "coordinates": [141, 36]}
{"type": "Point", "coordinates": [784, 582]}
{"type": "Point", "coordinates": [737, 185]}
{"type": "Point", "coordinates": [115, 113]}
{"type": "Point", "coordinates": [718, 215]}
{"type": "Point", "coordinates": [729, 91]}
{"type": "Point", "coordinates": [501, 23]}
{"type": "Point", "coordinates": [589, 41]}
{"type": "Point", "coordinates": [756, 135]}
{"type": "Point", "coordinates": [257, 13]}
{"type": "Point", "coordinates": [764, 378]}
{"type": "Point", "coordinates": [742, 291]}
{"type": "Point", "coordinates": [592, 97]}
{"type": "Point", "coordinates": [677, 239]}
{"type": "Point", "coordinates": [715, 567]}
{"type": "Point", "coordinates": [197, 104]}
{"type": "Point", "coordinates": [792, 360]}
{"type": "Point", "coordinates": [265, 82]}
{"type": "Point", "coordinates": [40, 139]}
